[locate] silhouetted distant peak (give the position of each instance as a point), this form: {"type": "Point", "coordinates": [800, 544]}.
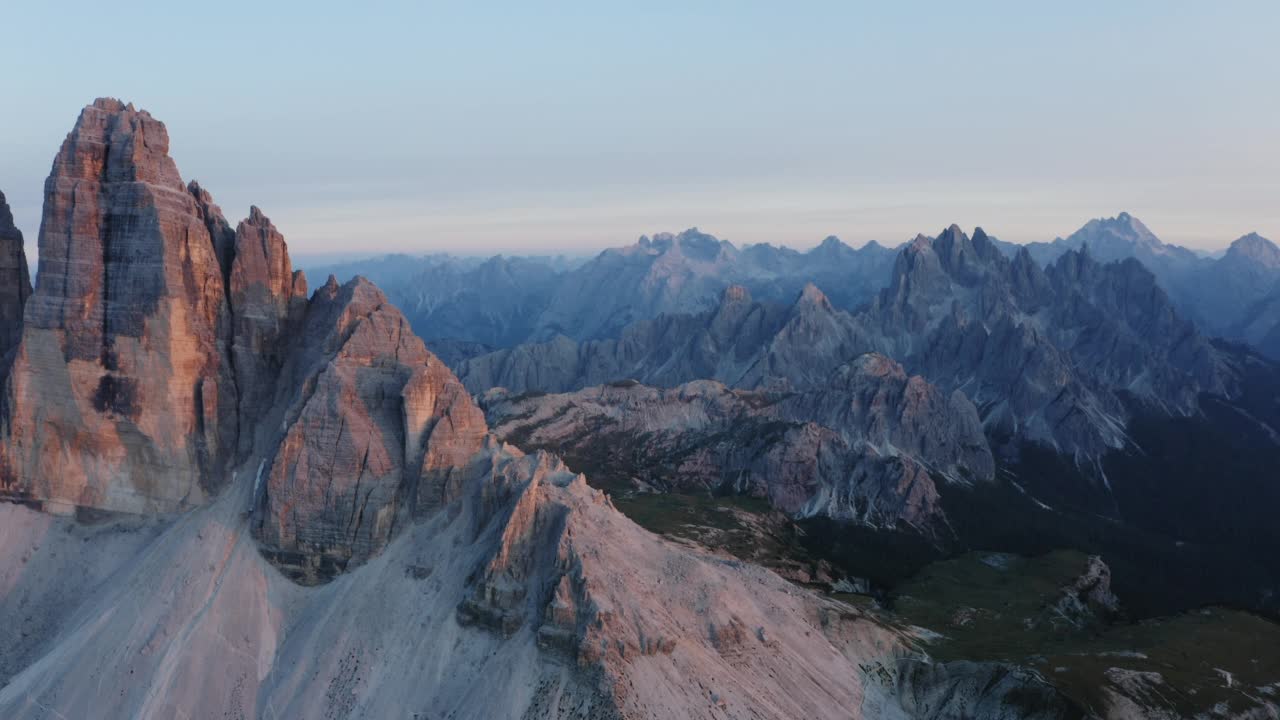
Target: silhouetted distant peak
{"type": "Point", "coordinates": [1255, 248]}
{"type": "Point", "coordinates": [6, 217]}
{"type": "Point", "coordinates": [692, 243]}
{"type": "Point", "coordinates": [1119, 231]}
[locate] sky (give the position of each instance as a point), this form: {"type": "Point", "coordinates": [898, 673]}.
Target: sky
{"type": "Point", "coordinates": [481, 127]}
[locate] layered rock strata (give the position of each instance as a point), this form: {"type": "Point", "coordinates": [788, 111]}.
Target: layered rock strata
{"type": "Point", "coordinates": [373, 424]}
{"type": "Point", "coordinates": [122, 394]}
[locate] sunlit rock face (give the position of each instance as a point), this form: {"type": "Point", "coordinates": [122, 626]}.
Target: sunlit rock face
{"type": "Point", "coordinates": [268, 299]}
{"type": "Point", "coordinates": [122, 393]}
{"type": "Point", "coordinates": [373, 422]}
{"type": "Point", "coordinates": [165, 352]}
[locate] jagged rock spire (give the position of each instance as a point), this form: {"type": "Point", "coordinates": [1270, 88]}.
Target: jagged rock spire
{"type": "Point", "coordinates": [267, 301]}
{"type": "Point", "coordinates": [15, 282]}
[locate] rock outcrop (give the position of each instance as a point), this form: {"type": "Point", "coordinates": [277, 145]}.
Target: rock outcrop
{"type": "Point", "coordinates": [122, 393]}
{"type": "Point", "coordinates": [865, 446]}
{"type": "Point", "coordinates": [373, 424]}
{"type": "Point", "coordinates": [268, 299]}
{"type": "Point", "coordinates": [1087, 600]}
{"type": "Point", "coordinates": [15, 282]}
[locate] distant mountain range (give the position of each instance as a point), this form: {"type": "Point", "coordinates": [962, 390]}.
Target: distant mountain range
{"type": "Point", "coordinates": [1043, 352]}
{"type": "Point", "coordinates": [466, 306]}
{"type": "Point", "coordinates": [1218, 293]}
{"type": "Point", "coordinates": [1075, 369]}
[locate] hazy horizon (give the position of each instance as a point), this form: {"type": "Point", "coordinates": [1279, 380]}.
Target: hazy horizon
{"type": "Point", "coordinates": [528, 131]}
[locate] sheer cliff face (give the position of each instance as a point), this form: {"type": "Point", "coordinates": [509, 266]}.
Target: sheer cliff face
{"type": "Point", "coordinates": [122, 392]}
{"type": "Point", "coordinates": [15, 282]}
{"type": "Point", "coordinates": [374, 423]}
{"type": "Point", "coordinates": [268, 300]}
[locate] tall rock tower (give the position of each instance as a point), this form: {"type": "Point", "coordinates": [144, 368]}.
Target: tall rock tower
{"type": "Point", "coordinates": [122, 394]}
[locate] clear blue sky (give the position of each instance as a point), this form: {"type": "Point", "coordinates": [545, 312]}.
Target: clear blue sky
{"type": "Point", "coordinates": [503, 126]}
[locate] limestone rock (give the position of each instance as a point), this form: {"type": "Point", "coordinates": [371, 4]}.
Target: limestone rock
{"type": "Point", "coordinates": [1045, 353]}
{"type": "Point", "coordinates": [15, 282]}
{"type": "Point", "coordinates": [740, 342]}
{"type": "Point", "coordinates": [992, 691]}
{"type": "Point", "coordinates": [1087, 600]}
{"type": "Point", "coordinates": [594, 617]}
{"type": "Point", "coordinates": [220, 231]}
{"type": "Point", "coordinates": [267, 300]}
{"type": "Point", "coordinates": [443, 430]}
{"type": "Point", "coordinates": [367, 411]}
{"type": "Point", "coordinates": [121, 393]}
{"type": "Point", "coordinates": [864, 446]}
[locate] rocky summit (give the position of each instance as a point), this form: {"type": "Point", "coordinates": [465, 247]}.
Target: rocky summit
{"type": "Point", "coordinates": [122, 391]}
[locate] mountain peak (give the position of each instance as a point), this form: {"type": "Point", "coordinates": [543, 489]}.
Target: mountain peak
{"type": "Point", "coordinates": [812, 296]}
{"type": "Point", "coordinates": [831, 243]}
{"type": "Point", "coordinates": [950, 239]}
{"type": "Point", "coordinates": [920, 242]}
{"type": "Point", "coordinates": [110, 104]}
{"type": "Point", "coordinates": [139, 147]}
{"type": "Point", "coordinates": [873, 364]}
{"type": "Point", "coordinates": [1257, 249]}
{"type": "Point", "coordinates": [691, 243]}
{"type": "Point", "coordinates": [1115, 234]}
{"type": "Point", "coordinates": [160, 276]}
{"type": "Point", "coordinates": [697, 244]}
